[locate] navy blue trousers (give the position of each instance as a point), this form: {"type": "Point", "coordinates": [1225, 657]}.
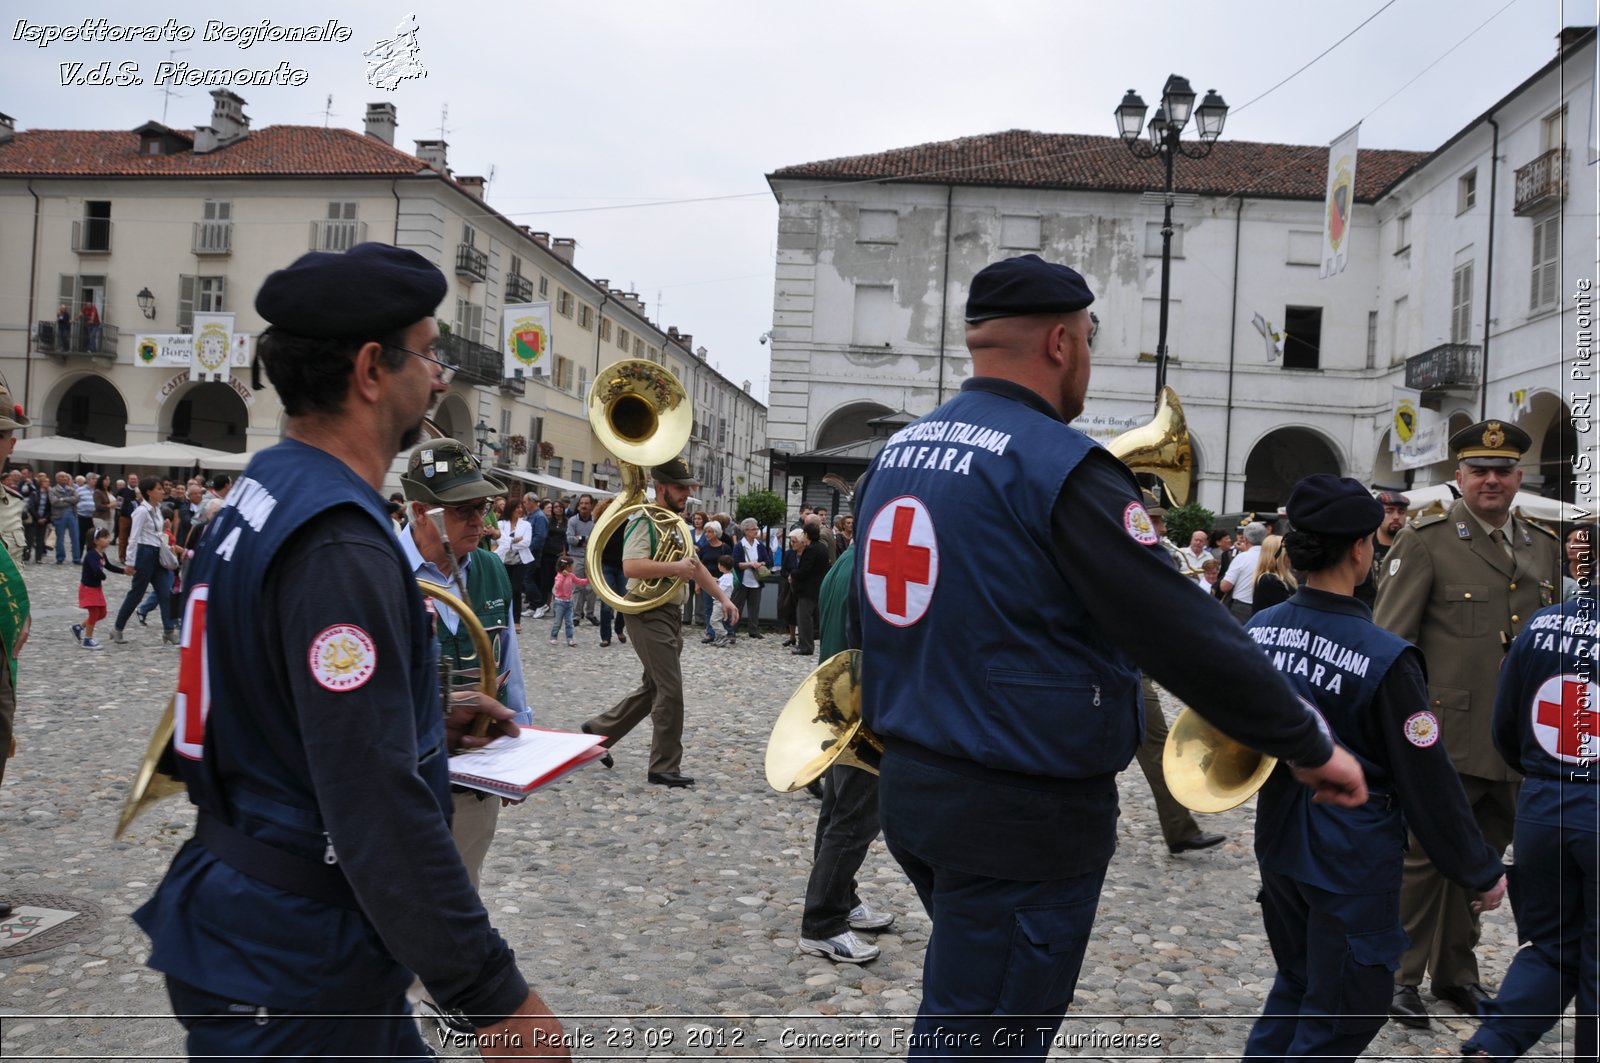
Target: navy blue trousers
{"type": "Point", "coordinates": [220, 1028]}
{"type": "Point", "coordinates": [1336, 955]}
{"type": "Point", "coordinates": [1557, 889]}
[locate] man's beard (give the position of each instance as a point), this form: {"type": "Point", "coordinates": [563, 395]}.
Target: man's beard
{"type": "Point", "coordinates": [410, 437]}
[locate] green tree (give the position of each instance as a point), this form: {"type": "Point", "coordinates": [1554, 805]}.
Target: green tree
{"type": "Point", "coordinates": [766, 507]}
{"type": "Point", "coordinates": [1184, 521]}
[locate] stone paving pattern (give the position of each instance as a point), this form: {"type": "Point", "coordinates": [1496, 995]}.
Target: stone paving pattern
{"type": "Point", "coordinates": [668, 918]}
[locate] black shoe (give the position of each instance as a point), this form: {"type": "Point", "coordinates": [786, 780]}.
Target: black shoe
{"type": "Point", "coordinates": [756, 635]}
{"type": "Point", "coordinates": [787, 642]}
{"type": "Point", "coordinates": [5, 911]}
{"type": "Point", "coordinates": [607, 759]}
{"type": "Point", "coordinates": [1466, 998]}
{"type": "Point", "coordinates": [669, 778]}
{"type": "Point", "coordinates": [1198, 842]}
{"type": "Point", "coordinates": [622, 638]}
{"type": "Point", "coordinates": [1406, 1008]}
{"type": "Point", "coordinates": [709, 638]}
{"type": "Point", "coordinates": [801, 653]}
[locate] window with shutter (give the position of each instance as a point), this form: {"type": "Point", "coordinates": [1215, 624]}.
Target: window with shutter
{"type": "Point", "coordinates": [1546, 263]}
{"type": "Point", "coordinates": [1461, 304]}
{"type": "Point", "coordinates": [186, 299]}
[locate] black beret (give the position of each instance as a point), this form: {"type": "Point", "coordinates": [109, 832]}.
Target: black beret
{"type": "Point", "coordinates": [1335, 506]}
{"type": "Point", "coordinates": [1026, 285]}
{"type": "Point", "coordinates": [367, 291]}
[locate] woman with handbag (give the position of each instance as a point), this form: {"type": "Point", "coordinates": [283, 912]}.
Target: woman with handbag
{"type": "Point", "coordinates": [147, 539]}
{"type": "Point", "coordinates": [516, 535]}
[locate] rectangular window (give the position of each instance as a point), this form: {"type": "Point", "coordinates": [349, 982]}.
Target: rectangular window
{"type": "Point", "coordinates": [1305, 248]}
{"type": "Point", "coordinates": [1399, 331]}
{"type": "Point", "coordinates": [1467, 191]}
{"type": "Point", "coordinates": [97, 225]}
{"type": "Point", "coordinates": [1402, 233]}
{"type": "Point", "coordinates": [878, 227]}
{"type": "Point", "coordinates": [544, 286]}
{"type": "Point", "coordinates": [340, 230]}
{"type": "Point", "coordinates": [214, 234]}
{"type": "Point", "coordinates": [577, 471]}
{"type": "Point", "coordinates": [1152, 239]}
{"type": "Point", "coordinates": [622, 339]}
{"type": "Point", "coordinates": [469, 235]}
{"type": "Point", "coordinates": [1372, 339]}
{"type": "Point", "coordinates": [1546, 263]}
{"type": "Point", "coordinates": [585, 316]}
{"type": "Point", "coordinates": [651, 353]}
{"type": "Point", "coordinates": [605, 329]}
{"type": "Point", "coordinates": [1461, 304]}
{"type": "Point", "coordinates": [1553, 133]}
{"type": "Point", "coordinates": [583, 381]}
{"type": "Point", "coordinates": [199, 295]}
{"type": "Point", "coordinates": [638, 348]}
{"type": "Point", "coordinates": [874, 315]}
{"type": "Point", "coordinates": [554, 466]}
{"type": "Point", "coordinates": [1302, 337]}
{"type": "Point", "coordinates": [563, 373]}
{"type": "Point", "coordinates": [469, 321]}
{"type": "Point", "coordinates": [563, 302]}
{"type": "Point", "coordinates": [1019, 231]}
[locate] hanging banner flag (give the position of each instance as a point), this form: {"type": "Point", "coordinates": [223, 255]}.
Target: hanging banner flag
{"type": "Point", "coordinates": [1417, 435]}
{"type": "Point", "coordinates": [1341, 202]}
{"type": "Point", "coordinates": [244, 350]}
{"type": "Point", "coordinates": [1521, 402]}
{"type": "Point", "coordinates": [153, 351]}
{"type": "Point", "coordinates": [1271, 335]}
{"type": "Point", "coordinates": [213, 346]}
{"type": "Point", "coordinates": [527, 337]}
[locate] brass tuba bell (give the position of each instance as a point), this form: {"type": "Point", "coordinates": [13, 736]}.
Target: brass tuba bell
{"type": "Point", "coordinates": [641, 414]}
{"type": "Point", "coordinates": [1206, 770]}
{"type": "Point", "coordinates": [1160, 447]}
{"type": "Point", "coordinates": [820, 726]}
{"type": "Point", "coordinates": [158, 776]}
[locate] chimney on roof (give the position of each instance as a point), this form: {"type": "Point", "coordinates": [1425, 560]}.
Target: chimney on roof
{"type": "Point", "coordinates": [633, 300]}
{"type": "Point", "coordinates": [433, 152]}
{"type": "Point", "coordinates": [542, 239]}
{"type": "Point", "coordinates": [563, 247]}
{"type": "Point", "coordinates": [472, 186]}
{"type": "Point", "coordinates": [687, 339]}
{"type": "Point", "coordinates": [381, 122]}
{"type": "Point", "coordinates": [228, 123]}
{"type": "Point", "coordinates": [601, 284]}
{"type": "Point", "coordinates": [672, 333]}
{"type": "Point", "coordinates": [1569, 36]}
{"type": "Point", "coordinates": [8, 128]}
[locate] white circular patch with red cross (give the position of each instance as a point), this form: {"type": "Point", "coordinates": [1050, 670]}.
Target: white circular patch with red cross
{"type": "Point", "coordinates": [343, 657]}
{"type": "Point", "coordinates": [1422, 729]}
{"type": "Point", "coordinates": [1138, 524]}
{"type": "Point", "coordinates": [1563, 718]}
{"type": "Point", "coordinates": [900, 561]}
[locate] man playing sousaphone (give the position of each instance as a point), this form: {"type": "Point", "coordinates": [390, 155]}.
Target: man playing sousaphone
{"type": "Point", "coordinates": [657, 635]}
{"type": "Point", "coordinates": [14, 618]}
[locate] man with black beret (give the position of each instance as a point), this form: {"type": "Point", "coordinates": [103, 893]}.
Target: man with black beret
{"type": "Point", "coordinates": [1330, 877]}
{"type": "Point", "coordinates": [310, 735]}
{"type": "Point", "coordinates": [1007, 706]}
{"type": "Point", "coordinates": [656, 634]}
{"type": "Point", "coordinates": [1460, 587]}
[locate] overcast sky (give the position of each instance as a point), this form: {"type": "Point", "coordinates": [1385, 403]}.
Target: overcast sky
{"type": "Point", "coordinates": [592, 114]}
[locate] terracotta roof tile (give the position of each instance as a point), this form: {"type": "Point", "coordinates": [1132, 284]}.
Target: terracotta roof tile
{"type": "Point", "coordinates": [1020, 158]}
{"type": "Point", "coordinates": [273, 151]}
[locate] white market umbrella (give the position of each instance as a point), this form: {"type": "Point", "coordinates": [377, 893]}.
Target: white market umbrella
{"type": "Point", "coordinates": [56, 448]}
{"type": "Point", "coordinates": [163, 453]}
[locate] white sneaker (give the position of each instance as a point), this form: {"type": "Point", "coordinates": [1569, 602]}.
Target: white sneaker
{"type": "Point", "coordinates": [841, 948]}
{"type": "Point", "coordinates": [865, 917]}
{"type": "Point", "coordinates": [541, 612]}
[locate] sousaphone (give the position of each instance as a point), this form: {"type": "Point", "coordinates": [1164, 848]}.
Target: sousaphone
{"type": "Point", "coordinates": [821, 726]}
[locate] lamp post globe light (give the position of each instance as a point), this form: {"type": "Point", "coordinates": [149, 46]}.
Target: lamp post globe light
{"type": "Point", "coordinates": [1177, 106]}
{"type": "Point", "coordinates": [482, 431]}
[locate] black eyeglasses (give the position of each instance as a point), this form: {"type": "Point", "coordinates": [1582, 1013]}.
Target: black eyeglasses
{"type": "Point", "coordinates": [468, 510]}
{"type": "Point", "coordinates": [447, 370]}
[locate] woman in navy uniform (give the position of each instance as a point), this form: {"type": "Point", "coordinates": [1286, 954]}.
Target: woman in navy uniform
{"type": "Point", "coordinates": [1544, 725]}
{"type": "Point", "coordinates": [1330, 876]}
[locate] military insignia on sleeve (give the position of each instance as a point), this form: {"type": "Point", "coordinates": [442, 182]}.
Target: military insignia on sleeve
{"type": "Point", "coordinates": [1422, 729]}
{"type": "Point", "coordinates": [1137, 523]}
{"type": "Point", "coordinates": [343, 657]}
{"type": "Point", "coordinates": [1394, 566]}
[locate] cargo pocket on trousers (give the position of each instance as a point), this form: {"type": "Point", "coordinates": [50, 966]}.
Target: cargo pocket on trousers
{"type": "Point", "coordinates": [1047, 948]}
{"type": "Point", "coordinates": [1367, 978]}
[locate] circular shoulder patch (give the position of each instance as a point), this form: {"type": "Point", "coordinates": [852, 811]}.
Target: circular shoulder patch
{"type": "Point", "coordinates": [900, 561]}
{"type": "Point", "coordinates": [343, 657]}
{"type": "Point", "coordinates": [1137, 523]}
{"type": "Point", "coordinates": [1422, 729]}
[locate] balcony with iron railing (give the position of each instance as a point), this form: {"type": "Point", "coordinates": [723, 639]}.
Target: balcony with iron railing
{"type": "Point", "coordinates": [77, 340]}
{"type": "Point", "coordinates": [470, 262]}
{"type": "Point", "coordinates": [477, 364]}
{"type": "Point", "coordinates": [91, 236]}
{"type": "Point", "coordinates": [213, 238]}
{"type": "Point", "coordinates": [338, 235]}
{"type": "Point", "coordinates": [518, 289]}
{"type": "Point", "coordinates": [1542, 183]}
{"type": "Point", "coordinates": [1447, 367]}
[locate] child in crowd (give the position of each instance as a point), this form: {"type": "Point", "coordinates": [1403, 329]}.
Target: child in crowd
{"type": "Point", "coordinates": [561, 594]}
{"type": "Point", "coordinates": [718, 613]}
{"type": "Point", "coordinates": [91, 596]}
{"type": "Point", "coordinates": [1209, 570]}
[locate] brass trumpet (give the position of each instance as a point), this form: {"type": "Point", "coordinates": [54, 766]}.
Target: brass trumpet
{"type": "Point", "coordinates": [158, 776]}
{"type": "Point", "coordinates": [641, 414]}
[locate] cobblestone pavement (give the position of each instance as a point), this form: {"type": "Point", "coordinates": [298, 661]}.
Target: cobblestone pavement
{"type": "Point", "coordinates": [654, 921]}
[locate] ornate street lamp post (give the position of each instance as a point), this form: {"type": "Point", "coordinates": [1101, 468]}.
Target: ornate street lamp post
{"type": "Point", "coordinates": [1177, 102]}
